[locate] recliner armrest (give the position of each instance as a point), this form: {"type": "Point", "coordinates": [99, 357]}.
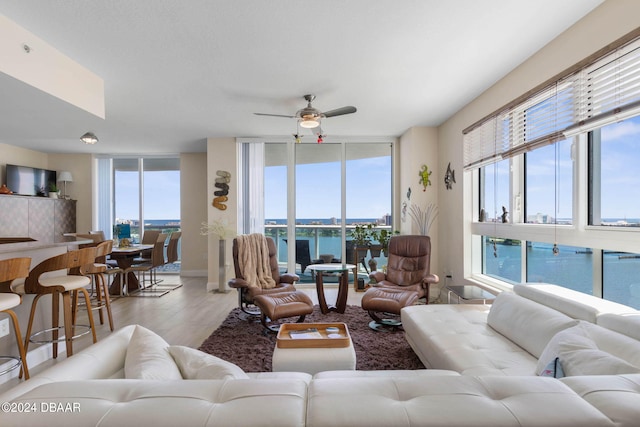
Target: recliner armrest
{"type": "Point", "coordinates": [237, 283]}
{"type": "Point", "coordinates": [378, 276]}
{"type": "Point", "coordinates": [430, 278]}
{"type": "Point", "coordinates": [289, 278]}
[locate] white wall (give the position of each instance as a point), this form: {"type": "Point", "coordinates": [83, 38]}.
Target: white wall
{"type": "Point", "coordinates": [221, 155]}
{"type": "Point", "coordinates": [605, 24]}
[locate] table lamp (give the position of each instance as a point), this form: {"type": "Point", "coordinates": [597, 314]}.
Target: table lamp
{"type": "Point", "coordinates": [65, 177]}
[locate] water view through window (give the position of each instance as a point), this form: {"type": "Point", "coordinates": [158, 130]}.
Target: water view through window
{"type": "Point", "coordinates": [161, 196]}
{"type": "Point", "coordinates": [318, 197]}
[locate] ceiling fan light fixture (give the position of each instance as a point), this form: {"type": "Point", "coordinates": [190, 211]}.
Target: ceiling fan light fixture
{"type": "Point", "coordinates": [309, 122]}
{"type": "Point", "coordinates": [89, 138]}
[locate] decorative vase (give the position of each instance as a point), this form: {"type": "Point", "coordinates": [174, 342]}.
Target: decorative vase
{"type": "Point", "coordinates": [222, 269]}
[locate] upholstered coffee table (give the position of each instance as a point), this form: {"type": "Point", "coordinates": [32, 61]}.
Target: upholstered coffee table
{"type": "Point", "coordinates": [313, 355]}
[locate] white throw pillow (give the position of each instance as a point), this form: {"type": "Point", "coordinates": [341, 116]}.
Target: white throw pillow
{"type": "Point", "coordinates": [589, 361]}
{"type": "Point", "coordinates": [587, 349]}
{"type": "Point", "coordinates": [567, 340]}
{"type": "Point", "coordinates": [148, 357]}
{"type": "Point", "coordinates": [197, 365]}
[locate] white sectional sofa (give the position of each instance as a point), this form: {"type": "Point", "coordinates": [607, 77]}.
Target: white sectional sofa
{"type": "Point", "coordinates": [478, 376]}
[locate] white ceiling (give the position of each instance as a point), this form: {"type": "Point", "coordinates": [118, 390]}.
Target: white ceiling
{"type": "Point", "coordinates": [179, 71]}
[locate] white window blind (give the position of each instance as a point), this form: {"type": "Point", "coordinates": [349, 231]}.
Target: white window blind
{"type": "Point", "coordinates": [603, 92]}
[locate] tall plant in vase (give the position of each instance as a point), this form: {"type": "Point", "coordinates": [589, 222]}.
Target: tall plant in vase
{"type": "Point", "coordinates": [222, 230]}
{"type": "Point", "coordinates": [423, 217]}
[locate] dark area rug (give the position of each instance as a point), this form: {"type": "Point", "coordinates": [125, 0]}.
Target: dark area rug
{"type": "Point", "coordinates": [241, 340]}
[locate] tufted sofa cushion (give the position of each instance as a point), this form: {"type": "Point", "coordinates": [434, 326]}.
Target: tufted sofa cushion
{"type": "Point", "coordinates": [616, 396]}
{"type": "Point", "coordinates": [117, 403]}
{"type": "Point", "coordinates": [457, 337]}
{"type": "Point", "coordinates": [448, 401]}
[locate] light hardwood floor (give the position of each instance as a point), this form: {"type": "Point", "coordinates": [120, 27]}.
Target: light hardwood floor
{"type": "Point", "coordinates": [185, 316]}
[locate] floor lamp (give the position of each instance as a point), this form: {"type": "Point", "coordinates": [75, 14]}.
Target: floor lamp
{"type": "Point", "coordinates": [65, 177]}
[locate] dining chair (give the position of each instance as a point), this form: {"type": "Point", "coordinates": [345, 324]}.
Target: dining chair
{"type": "Point", "coordinates": [97, 272]}
{"type": "Point", "coordinates": [10, 270]}
{"type": "Point", "coordinates": [61, 284]}
{"type": "Point", "coordinates": [157, 260]}
{"type": "Point", "coordinates": [172, 247]}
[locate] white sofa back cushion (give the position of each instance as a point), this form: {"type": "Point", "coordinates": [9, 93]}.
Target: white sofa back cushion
{"type": "Point", "coordinates": [577, 305]}
{"type": "Point", "coordinates": [627, 324]}
{"type": "Point", "coordinates": [528, 324]}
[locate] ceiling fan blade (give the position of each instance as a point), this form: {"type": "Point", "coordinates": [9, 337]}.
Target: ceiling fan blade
{"type": "Point", "coordinates": [275, 115]}
{"type": "Point", "coordinates": [340, 111]}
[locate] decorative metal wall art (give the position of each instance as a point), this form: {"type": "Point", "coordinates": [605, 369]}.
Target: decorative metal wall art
{"type": "Point", "coordinates": [222, 182]}
{"type": "Point", "coordinates": [449, 177]}
{"type": "Point", "coordinates": [424, 177]}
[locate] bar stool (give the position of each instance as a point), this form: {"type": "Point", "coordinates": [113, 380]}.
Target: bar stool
{"type": "Point", "coordinates": [11, 269]}
{"type": "Point", "coordinates": [61, 285]}
{"type": "Point", "coordinates": [97, 271]}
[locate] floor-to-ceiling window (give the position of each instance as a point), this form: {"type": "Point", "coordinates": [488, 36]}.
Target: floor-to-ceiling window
{"type": "Point", "coordinates": [146, 195]}
{"type": "Point", "coordinates": [335, 185]}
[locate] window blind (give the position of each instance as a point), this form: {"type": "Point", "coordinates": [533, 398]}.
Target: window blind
{"type": "Point", "coordinates": [604, 91]}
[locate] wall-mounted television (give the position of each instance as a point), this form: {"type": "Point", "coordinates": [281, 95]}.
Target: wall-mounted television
{"type": "Point", "coordinates": [29, 181]}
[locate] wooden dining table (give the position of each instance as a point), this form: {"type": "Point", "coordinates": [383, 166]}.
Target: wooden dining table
{"type": "Point", "coordinates": [124, 256]}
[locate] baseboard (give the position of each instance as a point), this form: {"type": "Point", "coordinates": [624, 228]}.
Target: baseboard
{"type": "Point", "coordinates": [194, 273]}
{"type": "Point", "coordinates": [213, 287]}
{"type": "Point", "coordinates": [34, 358]}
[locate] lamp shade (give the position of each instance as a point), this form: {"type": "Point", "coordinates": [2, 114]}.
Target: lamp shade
{"type": "Point", "coordinates": [65, 176]}
{"type": "Point", "coordinates": [309, 122]}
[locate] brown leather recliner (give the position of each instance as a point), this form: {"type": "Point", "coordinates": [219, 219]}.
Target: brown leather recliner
{"type": "Point", "coordinates": [247, 291]}
{"type": "Point", "coordinates": [407, 279]}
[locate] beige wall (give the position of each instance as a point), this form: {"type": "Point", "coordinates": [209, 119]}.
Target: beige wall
{"type": "Point", "coordinates": [605, 24]}
{"type": "Point", "coordinates": [13, 155]}
{"type": "Point", "coordinates": [419, 146]}
{"type": "Point", "coordinates": [81, 189]}
{"type": "Point", "coordinates": [193, 212]}
{"type": "Point", "coordinates": [221, 155]}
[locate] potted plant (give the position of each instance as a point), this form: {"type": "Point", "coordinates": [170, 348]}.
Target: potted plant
{"type": "Point", "coordinates": [362, 235]}
{"type": "Point", "coordinates": [53, 190]}
{"type": "Point", "coordinates": [383, 237]}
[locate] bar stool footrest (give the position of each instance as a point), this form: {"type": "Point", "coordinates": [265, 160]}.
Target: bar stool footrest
{"type": "Point", "coordinates": [62, 339]}
{"type": "Point", "coordinates": [17, 363]}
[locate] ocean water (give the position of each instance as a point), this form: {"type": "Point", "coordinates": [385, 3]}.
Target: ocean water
{"type": "Point", "coordinates": [571, 268]}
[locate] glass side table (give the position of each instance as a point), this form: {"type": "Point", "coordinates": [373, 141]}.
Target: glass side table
{"type": "Point", "coordinates": [343, 287]}
{"type": "Point", "coordinates": [469, 293]}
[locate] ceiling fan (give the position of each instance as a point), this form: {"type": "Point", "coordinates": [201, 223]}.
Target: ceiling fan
{"type": "Point", "coordinates": [310, 117]}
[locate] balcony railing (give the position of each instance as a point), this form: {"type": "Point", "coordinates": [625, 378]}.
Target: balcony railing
{"type": "Point", "coordinates": [323, 239]}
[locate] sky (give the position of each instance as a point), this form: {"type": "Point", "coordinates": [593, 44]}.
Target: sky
{"type": "Point", "coordinates": [162, 195]}
{"type": "Point", "coordinates": [620, 194]}
{"type": "Point", "coordinates": [318, 189]}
